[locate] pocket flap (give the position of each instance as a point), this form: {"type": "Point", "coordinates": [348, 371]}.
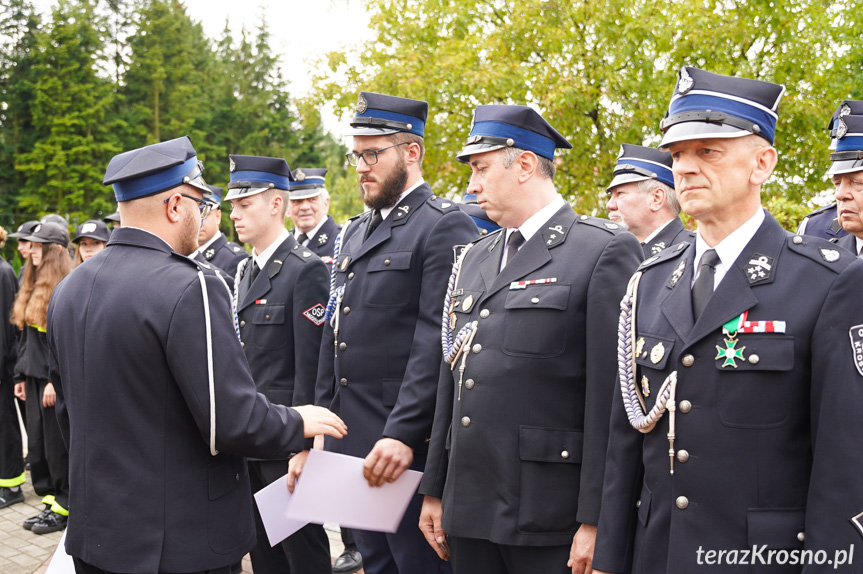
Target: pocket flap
{"type": "Point", "coordinates": [547, 296]}
{"type": "Point", "coordinates": [541, 444]}
{"type": "Point", "coordinates": [224, 473]}
{"type": "Point", "coordinates": [767, 352]}
{"type": "Point", "coordinates": [394, 261]}
{"type": "Point", "coordinates": [269, 315]}
{"type": "Point", "coordinates": [775, 527]}
{"type": "Point", "coordinates": [652, 351]}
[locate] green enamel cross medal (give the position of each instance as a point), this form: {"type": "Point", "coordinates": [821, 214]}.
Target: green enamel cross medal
{"type": "Point", "coordinates": [730, 353]}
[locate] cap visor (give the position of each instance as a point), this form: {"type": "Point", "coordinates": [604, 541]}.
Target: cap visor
{"type": "Point", "coordinates": [367, 131]}
{"type": "Point", "coordinates": [473, 149]}
{"type": "Point", "coordinates": [244, 192]}
{"type": "Point", "coordinates": [847, 166]}
{"type": "Point", "coordinates": [699, 131]}
{"type": "Point", "coordinates": [306, 193]}
{"type": "Point", "coordinates": [622, 178]}
{"type": "Point", "coordinates": [77, 238]}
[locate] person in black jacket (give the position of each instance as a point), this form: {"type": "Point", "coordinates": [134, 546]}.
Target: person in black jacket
{"type": "Point", "coordinates": [12, 473]}
{"type": "Point", "coordinates": [309, 205]}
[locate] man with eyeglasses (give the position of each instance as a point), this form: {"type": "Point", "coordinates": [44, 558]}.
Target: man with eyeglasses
{"type": "Point", "coordinates": [214, 248]}
{"type": "Point", "coordinates": [381, 350]}
{"type": "Point", "coordinates": [155, 398]}
{"type": "Point", "coordinates": [280, 297]}
{"type": "Point", "coordinates": [641, 198]}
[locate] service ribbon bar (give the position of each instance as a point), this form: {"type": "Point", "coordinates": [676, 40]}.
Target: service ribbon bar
{"type": "Point", "coordinates": [523, 284]}
{"type": "Point", "coordinates": [742, 325]}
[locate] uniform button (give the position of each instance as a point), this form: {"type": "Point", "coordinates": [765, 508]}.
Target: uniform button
{"type": "Point", "coordinates": [242, 345]}
{"type": "Point", "coordinates": [242, 323]}
{"type": "Point", "coordinates": [535, 300]}
{"type": "Point", "coordinates": [754, 359]}
{"type": "Point", "coordinates": [343, 382]}
{"type": "Point", "coordinates": [465, 421]}
{"type": "Point", "coordinates": [484, 314]}
{"type": "Point", "coordinates": [346, 310]}
{"type": "Point", "coordinates": [683, 455]}
{"type": "Point", "coordinates": [477, 348]}
{"type": "Point", "coordinates": [267, 317]}
{"type": "Point", "coordinates": [343, 346]}
{"type": "Point", "coordinates": [682, 502]}
{"type": "Point", "coordinates": [685, 406]}
{"type": "Point", "coordinates": [238, 478]}
{"type": "Point", "coordinates": [468, 384]}
{"type": "Point", "coordinates": [801, 536]}
{"type": "Point", "coordinates": [564, 454]}
{"type": "Point", "coordinates": [637, 504]}
{"type": "Point", "coordinates": [386, 262]}
{"type": "Point", "coordinates": [687, 360]}
{"type": "Point", "coordinates": [797, 240]}
{"type": "Point", "coordinates": [351, 275]}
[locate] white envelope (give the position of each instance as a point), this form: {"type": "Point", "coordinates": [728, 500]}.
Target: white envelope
{"type": "Point", "coordinates": [273, 501]}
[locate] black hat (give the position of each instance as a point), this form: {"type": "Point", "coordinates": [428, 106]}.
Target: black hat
{"type": "Point", "coordinates": [155, 168]}
{"type": "Point", "coordinates": [500, 126]}
{"type": "Point", "coordinates": [49, 233]}
{"type": "Point", "coordinates": [639, 163]}
{"type": "Point", "coordinates": [380, 115]}
{"type": "Point", "coordinates": [307, 182]}
{"type": "Point", "coordinates": [114, 217]}
{"type": "Point", "coordinates": [54, 218]}
{"type": "Point", "coordinates": [94, 229]}
{"type": "Point", "coordinates": [24, 230]}
{"type": "Point", "coordinates": [251, 174]}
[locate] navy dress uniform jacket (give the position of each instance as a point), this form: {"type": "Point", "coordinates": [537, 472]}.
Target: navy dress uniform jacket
{"type": "Point", "coordinates": [767, 451]}
{"type": "Point", "coordinates": [129, 362]}
{"type": "Point", "coordinates": [671, 234]}
{"type": "Point", "coordinates": [518, 459]}
{"type": "Point", "coordinates": [324, 241]}
{"type": "Point", "coordinates": [847, 242]}
{"type": "Point", "coordinates": [224, 254]}
{"type": "Point", "coordinates": [380, 374]}
{"type": "Point", "coordinates": [281, 315]}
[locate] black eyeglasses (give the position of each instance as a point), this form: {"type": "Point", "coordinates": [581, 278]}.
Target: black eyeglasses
{"type": "Point", "coordinates": [203, 205]}
{"type": "Point", "coordinates": [369, 156]}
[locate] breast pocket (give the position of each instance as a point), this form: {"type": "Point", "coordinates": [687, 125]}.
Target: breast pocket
{"type": "Point", "coordinates": [388, 283]}
{"type": "Point", "coordinates": [269, 325]}
{"type": "Point", "coordinates": [536, 321]}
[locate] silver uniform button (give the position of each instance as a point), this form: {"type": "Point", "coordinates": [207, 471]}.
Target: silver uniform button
{"type": "Point", "coordinates": [484, 314]}
{"type": "Point", "coordinates": [682, 502]}
{"type": "Point", "coordinates": [754, 359]}
{"type": "Point", "coordinates": [688, 360]}
{"type": "Point", "coordinates": [343, 346]}
{"type": "Point", "coordinates": [683, 455]}
{"type": "Point", "coordinates": [637, 504]}
{"type": "Point", "coordinates": [351, 275]}
{"type": "Point", "coordinates": [465, 421]}
{"type": "Point", "coordinates": [535, 300]}
{"type": "Point", "coordinates": [242, 323]}
{"type": "Point", "coordinates": [468, 384]}
{"type": "Point", "coordinates": [685, 406]}
{"type": "Point", "coordinates": [387, 262]}
{"type": "Point", "coordinates": [477, 348]}
{"type": "Point", "coordinates": [242, 345]}
{"type": "Point", "coordinates": [564, 454]}
{"type": "Point", "coordinates": [801, 536]}
{"type": "Point", "coordinates": [343, 382]}
{"type": "Point", "coordinates": [346, 310]}
{"type": "Point", "coordinates": [797, 240]}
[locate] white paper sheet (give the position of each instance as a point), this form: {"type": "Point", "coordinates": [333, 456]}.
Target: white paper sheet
{"type": "Point", "coordinates": [332, 489]}
{"type": "Point", "coordinates": [61, 563]}
{"type": "Point", "coordinates": [273, 501]}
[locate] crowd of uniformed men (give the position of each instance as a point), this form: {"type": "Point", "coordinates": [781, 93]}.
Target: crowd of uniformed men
{"type": "Point", "coordinates": [582, 394]}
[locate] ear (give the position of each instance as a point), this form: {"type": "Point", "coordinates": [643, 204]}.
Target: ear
{"type": "Point", "coordinates": [276, 206]}
{"type": "Point", "coordinates": [527, 164]}
{"type": "Point", "coordinates": [412, 155]}
{"type": "Point", "coordinates": [765, 159]}
{"type": "Point", "coordinates": [172, 208]}
{"type": "Point", "coordinates": [657, 199]}
{"type": "Point", "coordinates": [326, 203]}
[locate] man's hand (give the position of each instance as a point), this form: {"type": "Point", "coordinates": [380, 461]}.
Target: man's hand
{"type": "Point", "coordinates": [387, 461]}
{"type": "Point", "coordinates": [318, 420]}
{"type": "Point", "coordinates": [19, 391]}
{"type": "Point", "coordinates": [295, 468]}
{"type": "Point", "coordinates": [430, 526]}
{"type": "Point", "coordinates": [49, 396]}
{"type": "Point", "coordinates": [581, 553]}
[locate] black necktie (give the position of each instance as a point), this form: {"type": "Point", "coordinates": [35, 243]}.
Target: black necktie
{"type": "Point", "coordinates": [373, 223]}
{"type": "Point", "coordinates": [255, 271]}
{"type": "Point", "coordinates": [512, 245]}
{"type": "Point", "coordinates": [302, 239]}
{"type": "Point", "coordinates": [702, 289]}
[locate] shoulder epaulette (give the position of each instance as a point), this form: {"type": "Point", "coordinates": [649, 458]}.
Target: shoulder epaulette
{"type": "Point", "coordinates": [442, 205]}
{"type": "Point", "coordinates": [600, 223]}
{"type": "Point", "coordinates": [820, 210]}
{"type": "Point", "coordinates": [821, 251]}
{"type": "Point", "coordinates": [304, 253]}
{"type": "Point", "coordinates": [665, 255]}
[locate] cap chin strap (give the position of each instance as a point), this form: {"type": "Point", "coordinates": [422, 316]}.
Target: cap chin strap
{"type": "Point", "coordinates": [712, 117]}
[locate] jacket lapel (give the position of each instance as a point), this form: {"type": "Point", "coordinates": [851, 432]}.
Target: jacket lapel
{"type": "Point", "coordinates": [262, 283]}
{"type": "Point", "coordinates": [400, 215]}
{"type": "Point", "coordinates": [677, 307]}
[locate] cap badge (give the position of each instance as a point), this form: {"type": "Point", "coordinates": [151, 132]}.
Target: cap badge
{"type": "Point", "coordinates": [844, 110]}
{"type": "Point", "coordinates": [362, 104]}
{"type": "Point", "coordinates": [841, 129]}
{"type": "Point", "coordinates": [88, 228]}
{"type": "Point", "coordinates": [685, 83]}
{"type": "Point", "coordinates": [231, 165]}
{"type": "Point", "coordinates": [300, 175]}
{"type": "Point", "coordinates": [37, 228]}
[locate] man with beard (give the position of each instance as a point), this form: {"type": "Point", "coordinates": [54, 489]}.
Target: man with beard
{"type": "Point", "coordinates": [641, 198]}
{"type": "Point", "coordinates": [381, 350]}
{"type": "Point", "coordinates": [154, 395]}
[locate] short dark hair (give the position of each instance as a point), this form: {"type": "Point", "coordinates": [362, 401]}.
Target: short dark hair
{"type": "Point", "coordinates": [545, 166]}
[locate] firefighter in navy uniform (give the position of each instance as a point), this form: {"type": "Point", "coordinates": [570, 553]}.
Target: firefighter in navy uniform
{"type": "Point", "coordinates": [379, 369]}
{"type": "Point", "coordinates": [846, 173]}
{"type": "Point", "coordinates": [740, 366]}
{"type": "Point", "coordinates": [643, 201]}
{"type": "Point", "coordinates": [154, 394]}
{"type": "Point", "coordinates": [524, 393]}
{"type": "Point", "coordinates": [314, 227]}
{"type": "Point", "coordinates": [214, 247]}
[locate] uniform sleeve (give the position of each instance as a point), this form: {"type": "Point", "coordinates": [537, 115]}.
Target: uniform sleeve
{"type": "Point", "coordinates": [835, 497]}
{"type": "Point", "coordinates": [410, 420]}
{"type": "Point", "coordinates": [247, 424]}
{"type": "Point", "coordinates": [310, 299]}
{"type": "Point", "coordinates": [8, 289]}
{"type": "Point", "coordinates": [608, 282]}
{"type": "Point", "coordinates": [434, 475]}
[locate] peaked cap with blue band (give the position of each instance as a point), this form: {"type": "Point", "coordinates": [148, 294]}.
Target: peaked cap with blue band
{"type": "Point", "coordinates": [380, 115]}
{"type": "Point", "coordinates": [639, 163]}
{"type": "Point", "coordinates": [846, 108]}
{"type": "Point", "coordinates": [214, 196]}
{"type": "Point", "coordinates": [307, 182]}
{"type": "Point", "coordinates": [155, 168]}
{"type": "Point", "coordinates": [707, 105]}
{"type": "Point", "coordinates": [499, 126]}
{"type": "Point", "coordinates": [848, 156]}
{"type": "Point", "coordinates": [252, 174]}
{"type": "Point", "coordinates": [483, 222]}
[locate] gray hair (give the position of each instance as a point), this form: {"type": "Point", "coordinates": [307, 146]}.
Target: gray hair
{"type": "Point", "coordinates": [545, 166]}
{"type": "Point", "coordinates": [671, 202]}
